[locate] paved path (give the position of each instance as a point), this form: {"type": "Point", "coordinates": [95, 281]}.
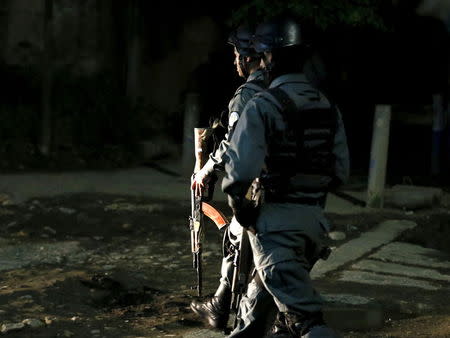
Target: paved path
{"type": "Point", "coordinates": [142, 181]}
{"type": "Point", "coordinates": [384, 233]}
{"type": "Point", "coordinates": [376, 259]}
{"type": "Point", "coordinates": [138, 181]}
{"type": "Point", "coordinates": [402, 264]}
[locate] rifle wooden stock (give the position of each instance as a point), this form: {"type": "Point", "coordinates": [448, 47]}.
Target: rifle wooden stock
{"type": "Point", "coordinates": [201, 145]}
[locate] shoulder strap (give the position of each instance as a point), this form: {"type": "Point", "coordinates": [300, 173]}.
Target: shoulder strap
{"type": "Point", "coordinates": [281, 100]}
{"type": "Point", "coordinates": [255, 85]}
{"type": "Point", "coordinates": [284, 101]}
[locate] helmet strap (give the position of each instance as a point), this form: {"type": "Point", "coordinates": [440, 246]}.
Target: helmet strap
{"type": "Point", "coordinates": [269, 69]}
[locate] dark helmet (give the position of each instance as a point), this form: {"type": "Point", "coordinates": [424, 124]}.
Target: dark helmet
{"type": "Point", "coordinates": [277, 33]}
{"type": "Point", "coordinates": [241, 39]}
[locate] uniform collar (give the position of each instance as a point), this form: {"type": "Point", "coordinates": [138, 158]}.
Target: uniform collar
{"type": "Point", "coordinates": [294, 77]}
{"type": "Point", "coordinates": [256, 75]}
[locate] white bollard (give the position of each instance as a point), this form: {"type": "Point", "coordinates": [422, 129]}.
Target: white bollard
{"type": "Point", "coordinates": [191, 121]}
{"type": "Point", "coordinates": [378, 156]}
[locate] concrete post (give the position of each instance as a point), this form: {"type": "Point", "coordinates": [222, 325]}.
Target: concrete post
{"type": "Point", "coordinates": [47, 82]}
{"type": "Point", "coordinates": [438, 134]}
{"type": "Point", "coordinates": [134, 51]}
{"type": "Point", "coordinates": [191, 121]}
{"type": "Point", "coordinates": [378, 156]}
{"type": "Point", "coordinates": [447, 137]}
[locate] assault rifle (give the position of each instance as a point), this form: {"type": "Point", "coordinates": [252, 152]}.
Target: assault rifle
{"type": "Point", "coordinates": [199, 207]}
{"type": "Point", "coordinates": [243, 256]}
{"type": "Point", "coordinates": [242, 262]}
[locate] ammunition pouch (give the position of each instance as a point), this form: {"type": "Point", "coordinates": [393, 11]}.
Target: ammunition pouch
{"type": "Point", "coordinates": [245, 211]}
{"type": "Point", "coordinates": [256, 193]}
{"type": "Point", "coordinates": [227, 247]}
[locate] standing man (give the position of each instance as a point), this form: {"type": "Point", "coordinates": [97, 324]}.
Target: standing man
{"type": "Point", "coordinates": [217, 309]}
{"type": "Point", "coordinates": [292, 139]}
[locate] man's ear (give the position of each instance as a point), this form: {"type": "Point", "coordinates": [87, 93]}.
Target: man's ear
{"type": "Point", "coordinates": [249, 59]}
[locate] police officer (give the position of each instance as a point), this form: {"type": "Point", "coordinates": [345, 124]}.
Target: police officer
{"type": "Point", "coordinates": [292, 138]}
{"type": "Point", "coordinates": [247, 60]}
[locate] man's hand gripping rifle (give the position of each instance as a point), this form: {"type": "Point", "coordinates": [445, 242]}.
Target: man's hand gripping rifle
{"type": "Point", "coordinates": [199, 207]}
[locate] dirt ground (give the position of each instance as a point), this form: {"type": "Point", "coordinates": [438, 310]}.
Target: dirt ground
{"type": "Point", "coordinates": [120, 266]}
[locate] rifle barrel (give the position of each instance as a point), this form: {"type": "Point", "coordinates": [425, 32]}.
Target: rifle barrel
{"type": "Point", "coordinates": [199, 273]}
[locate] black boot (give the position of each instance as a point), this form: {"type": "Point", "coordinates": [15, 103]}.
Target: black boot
{"type": "Point", "coordinates": [215, 310]}
{"type": "Point", "coordinates": [308, 325]}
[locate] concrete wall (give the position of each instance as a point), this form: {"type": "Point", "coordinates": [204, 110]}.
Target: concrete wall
{"type": "Point", "coordinates": [85, 42]}
{"type": "Point", "coordinates": [439, 9]}
{"type": "Point", "coordinates": [164, 81]}
{"type": "Point", "coordinates": [24, 31]}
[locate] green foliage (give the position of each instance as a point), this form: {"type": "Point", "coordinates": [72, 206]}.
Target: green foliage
{"type": "Point", "coordinates": [322, 14]}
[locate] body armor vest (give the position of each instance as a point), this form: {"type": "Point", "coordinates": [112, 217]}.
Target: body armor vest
{"type": "Point", "coordinates": [300, 158]}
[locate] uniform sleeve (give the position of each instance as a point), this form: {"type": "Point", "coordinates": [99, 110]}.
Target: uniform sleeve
{"type": "Point", "coordinates": [341, 152]}
{"type": "Point", "coordinates": [246, 153]}
{"type": "Point", "coordinates": [240, 99]}
{"type": "Point", "coordinates": [236, 106]}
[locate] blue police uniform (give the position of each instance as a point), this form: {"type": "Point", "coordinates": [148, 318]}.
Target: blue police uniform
{"type": "Point", "coordinates": [236, 105]}
{"type": "Point", "coordinates": [291, 225]}
{"type": "Point", "coordinates": [243, 94]}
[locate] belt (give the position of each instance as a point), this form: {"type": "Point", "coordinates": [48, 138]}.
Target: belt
{"type": "Point", "coordinates": [313, 201]}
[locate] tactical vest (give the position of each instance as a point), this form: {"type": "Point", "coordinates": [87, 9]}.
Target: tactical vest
{"type": "Point", "coordinates": [300, 158]}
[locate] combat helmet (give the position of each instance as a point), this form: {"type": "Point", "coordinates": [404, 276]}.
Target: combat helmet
{"type": "Point", "coordinates": [277, 33]}
{"type": "Point", "coordinates": [241, 39]}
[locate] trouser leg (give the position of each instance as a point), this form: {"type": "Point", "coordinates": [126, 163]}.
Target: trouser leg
{"type": "Point", "coordinates": [231, 239]}
{"type": "Point", "coordinates": [280, 258]}
{"type": "Point", "coordinates": [216, 310]}
{"type": "Point", "coordinates": [256, 312]}
{"type": "Point", "coordinates": [283, 260]}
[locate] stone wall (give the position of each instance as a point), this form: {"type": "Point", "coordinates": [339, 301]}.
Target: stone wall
{"type": "Point", "coordinates": [164, 81]}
